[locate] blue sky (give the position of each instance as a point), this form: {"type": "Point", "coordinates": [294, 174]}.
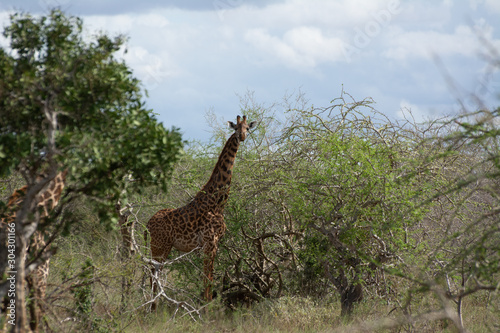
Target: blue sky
{"type": "Point", "coordinates": [201, 55]}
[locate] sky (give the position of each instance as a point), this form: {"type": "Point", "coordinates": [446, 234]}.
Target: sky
{"type": "Point", "coordinates": [199, 56]}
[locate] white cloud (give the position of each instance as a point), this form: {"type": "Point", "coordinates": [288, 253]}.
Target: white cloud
{"type": "Point", "coordinates": [329, 16]}
{"type": "Point", "coordinates": [408, 111]}
{"type": "Point", "coordinates": [125, 23]}
{"type": "Point", "coordinates": [151, 46]}
{"type": "Point", "coordinates": [425, 43]}
{"type": "Point", "coordinates": [493, 5]}
{"type": "Point", "coordinates": [113, 24]}
{"type": "Point", "coordinates": [424, 112]}
{"type": "Point", "coordinates": [199, 58]}
{"type": "Point", "coordinates": [313, 45]}
{"type": "Point", "coordinates": [4, 19]}
{"type": "Point", "coordinates": [301, 47]}
{"type": "Point", "coordinates": [262, 40]}
{"type": "Point", "coordinates": [152, 20]}
{"type": "Point", "coordinates": [151, 69]}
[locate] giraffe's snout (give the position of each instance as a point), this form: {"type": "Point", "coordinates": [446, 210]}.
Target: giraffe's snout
{"type": "Point", "coordinates": [243, 136]}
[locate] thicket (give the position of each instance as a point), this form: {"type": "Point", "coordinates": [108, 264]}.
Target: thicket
{"type": "Point", "coordinates": [334, 209]}
{"type": "Point", "coordinates": [337, 206]}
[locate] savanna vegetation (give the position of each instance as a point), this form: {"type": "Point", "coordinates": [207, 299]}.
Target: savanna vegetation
{"type": "Point", "coordinates": [339, 218]}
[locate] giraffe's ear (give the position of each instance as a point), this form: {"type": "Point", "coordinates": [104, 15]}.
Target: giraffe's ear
{"type": "Point", "coordinates": [232, 125]}
{"type": "Point", "coordinates": [252, 124]}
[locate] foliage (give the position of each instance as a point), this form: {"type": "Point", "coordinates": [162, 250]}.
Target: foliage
{"type": "Point", "coordinates": [338, 203]}
{"type": "Point", "coordinates": [464, 255]}
{"type": "Point", "coordinates": [104, 132]}
{"type": "Point", "coordinates": [68, 103]}
{"type": "Point", "coordinates": [326, 189]}
{"type": "Point", "coordinates": [350, 191]}
{"type": "Point", "coordinates": [83, 292]}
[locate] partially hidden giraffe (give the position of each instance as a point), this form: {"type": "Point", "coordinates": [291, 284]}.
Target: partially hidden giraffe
{"type": "Point", "coordinates": [46, 201]}
{"type": "Point", "coordinates": [200, 223]}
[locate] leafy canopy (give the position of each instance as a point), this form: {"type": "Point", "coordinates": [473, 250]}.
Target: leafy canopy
{"type": "Point", "coordinates": [66, 99]}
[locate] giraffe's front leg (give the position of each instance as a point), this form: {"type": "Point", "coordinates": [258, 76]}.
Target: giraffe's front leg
{"type": "Point", "coordinates": [211, 240]}
{"type": "Point", "coordinates": [210, 253]}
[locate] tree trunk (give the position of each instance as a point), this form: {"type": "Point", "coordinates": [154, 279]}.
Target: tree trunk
{"type": "Point", "coordinates": [348, 296]}
{"type": "Point", "coordinates": [126, 251]}
{"type": "Point", "coordinates": [20, 296]}
{"type": "Point", "coordinates": [350, 293]}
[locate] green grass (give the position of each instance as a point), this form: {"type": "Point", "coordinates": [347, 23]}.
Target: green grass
{"type": "Point", "coordinates": [294, 314]}
{"type": "Point", "coordinates": [282, 315]}
{"type": "Point", "coordinates": [288, 314]}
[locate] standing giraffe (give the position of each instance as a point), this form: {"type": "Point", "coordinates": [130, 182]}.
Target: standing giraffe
{"type": "Point", "coordinates": [45, 201]}
{"type": "Point", "coordinates": [200, 223]}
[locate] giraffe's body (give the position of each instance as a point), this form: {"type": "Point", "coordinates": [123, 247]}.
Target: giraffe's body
{"type": "Point", "coordinates": [200, 223]}
{"type": "Point", "coordinates": [45, 201]}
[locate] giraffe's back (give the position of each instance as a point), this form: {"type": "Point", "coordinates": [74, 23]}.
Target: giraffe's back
{"type": "Point", "coordinates": [184, 228]}
{"type": "Point", "coordinates": [173, 228]}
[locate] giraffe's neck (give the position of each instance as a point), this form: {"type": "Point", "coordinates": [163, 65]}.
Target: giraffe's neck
{"type": "Point", "coordinates": [46, 199]}
{"type": "Point", "coordinates": [50, 195]}
{"type": "Point", "coordinates": [216, 191]}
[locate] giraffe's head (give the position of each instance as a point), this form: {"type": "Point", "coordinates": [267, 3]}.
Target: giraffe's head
{"type": "Point", "coordinates": [241, 127]}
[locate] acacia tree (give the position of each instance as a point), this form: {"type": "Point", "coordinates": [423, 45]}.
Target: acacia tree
{"type": "Point", "coordinates": [325, 195]}
{"type": "Point", "coordinates": [462, 228]}
{"type": "Point", "coordinates": [68, 103]}
{"type": "Point", "coordinates": [347, 171]}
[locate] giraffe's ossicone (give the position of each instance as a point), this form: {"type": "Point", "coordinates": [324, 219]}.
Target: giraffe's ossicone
{"type": "Point", "coordinates": [200, 223]}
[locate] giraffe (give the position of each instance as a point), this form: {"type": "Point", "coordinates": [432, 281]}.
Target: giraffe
{"type": "Point", "coordinates": [200, 223]}
{"type": "Point", "coordinates": [45, 201]}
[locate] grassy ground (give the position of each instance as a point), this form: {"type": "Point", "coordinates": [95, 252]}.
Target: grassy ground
{"type": "Point", "coordinates": [290, 315]}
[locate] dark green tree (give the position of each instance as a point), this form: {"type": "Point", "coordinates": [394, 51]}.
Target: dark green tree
{"type": "Point", "coordinates": [69, 103]}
